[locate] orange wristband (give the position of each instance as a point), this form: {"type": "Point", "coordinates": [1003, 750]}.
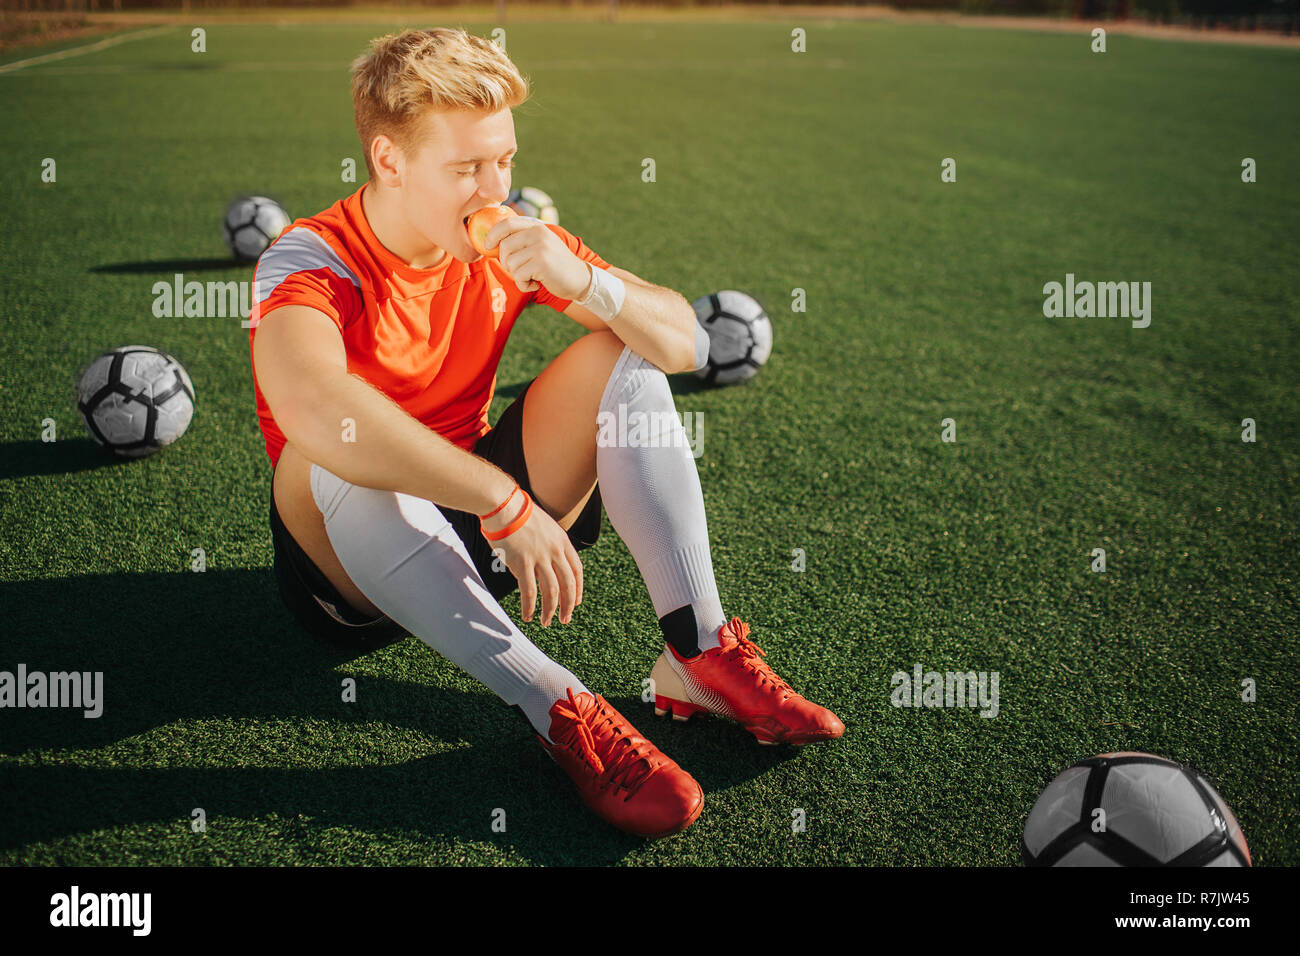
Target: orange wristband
{"type": "Point", "coordinates": [515, 525]}
{"type": "Point", "coordinates": [500, 506]}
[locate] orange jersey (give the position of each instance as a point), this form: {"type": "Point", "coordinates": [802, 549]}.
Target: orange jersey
{"type": "Point", "coordinates": [429, 339]}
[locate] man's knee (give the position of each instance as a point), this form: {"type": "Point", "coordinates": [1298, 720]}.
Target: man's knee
{"type": "Point", "coordinates": [302, 504]}
{"type": "Point", "coordinates": [604, 338]}
{"type": "Point", "coordinates": [601, 351]}
{"type": "Point", "coordinates": [327, 490]}
{"type": "Point", "coordinates": [291, 486]}
{"type": "Point", "coordinates": [635, 379]}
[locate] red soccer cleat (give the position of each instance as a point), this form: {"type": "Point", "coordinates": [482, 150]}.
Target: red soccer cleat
{"type": "Point", "coordinates": [732, 682]}
{"type": "Point", "coordinates": [621, 776]}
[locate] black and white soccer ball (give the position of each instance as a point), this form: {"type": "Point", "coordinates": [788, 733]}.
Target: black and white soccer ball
{"type": "Point", "coordinates": [1132, 809]}
{"type": "Point", "coordinates": [740, 336]}
{"type": "Point", "coordinates": [531, 201]}
{"type": "Point", "coordinates": [253, 223]}
{"type": "Point", "coordinates": [135, 399]}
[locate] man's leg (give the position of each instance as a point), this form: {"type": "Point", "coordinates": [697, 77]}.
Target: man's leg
{"type": "Point", "coordinates": [405, 556]}
{"type": "Point", "coordinates": [652, 494]}
{"type": "Point", "coordinates": [651, 489]}
{"type": "Point", "coordinates": [440, 598]}
{"type": "Point", "coordinates": [302, 519]}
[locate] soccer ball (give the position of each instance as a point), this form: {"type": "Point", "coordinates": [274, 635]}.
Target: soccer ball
{"type": "Point", "coordinates": [253, 223]}
{"type": "Point", "coordinates": [1132, 809]}
{"type": "Point", "coordinates": [740, 336]}
{"type": "Point", "coordinates": [531, 201]}
{"type": "Point", "coordinates": [135, 399]}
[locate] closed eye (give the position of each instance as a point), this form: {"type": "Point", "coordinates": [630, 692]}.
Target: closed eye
{"type": "Point", "coordinates": [474, 171]}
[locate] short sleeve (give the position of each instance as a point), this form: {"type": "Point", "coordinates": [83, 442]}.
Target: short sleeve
{"type": "Point", "coordinates": [301, 268]}
{"type": "Point", "coordinates": [579, 249]}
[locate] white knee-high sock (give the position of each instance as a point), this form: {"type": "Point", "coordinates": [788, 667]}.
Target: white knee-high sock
{"type": "Point", "coordinates": [407, 559]}
{"type": "Point", "coordinates": [651, 490]}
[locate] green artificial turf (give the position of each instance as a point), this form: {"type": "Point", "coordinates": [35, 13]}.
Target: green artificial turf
{"type": "Point", "coordinates": [775, 171]}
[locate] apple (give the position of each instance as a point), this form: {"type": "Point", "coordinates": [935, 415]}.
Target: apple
{"type": "Point", "coordinates": [481, 223]}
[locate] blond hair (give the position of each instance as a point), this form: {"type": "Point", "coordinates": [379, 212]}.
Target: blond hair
{"type": "Point", "coordinates": [404, 76]}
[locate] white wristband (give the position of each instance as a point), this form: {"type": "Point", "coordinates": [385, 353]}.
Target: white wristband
{"type": "Point", "coordinates": [604, 295]}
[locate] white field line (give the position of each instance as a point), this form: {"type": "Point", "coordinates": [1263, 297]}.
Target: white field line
{"type": "Point", "coordinates": [88, 48]}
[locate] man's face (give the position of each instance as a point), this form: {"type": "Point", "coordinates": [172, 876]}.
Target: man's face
{"type": "Point", "coordinates": [459, 163]}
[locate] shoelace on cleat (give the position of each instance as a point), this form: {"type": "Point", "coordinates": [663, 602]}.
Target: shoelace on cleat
{"type": "Point", "coordinates": [747, 653]}
{"type": "Point", "coordinates": [619, 772]}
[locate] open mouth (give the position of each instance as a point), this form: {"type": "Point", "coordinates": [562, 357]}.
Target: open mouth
{"type": "Point", "coordinates": [464, 225]}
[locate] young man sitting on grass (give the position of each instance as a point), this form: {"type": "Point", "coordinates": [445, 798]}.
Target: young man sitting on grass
{"type": "Point", "coordinates": [377, 333]}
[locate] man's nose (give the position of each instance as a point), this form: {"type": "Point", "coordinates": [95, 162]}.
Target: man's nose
{"type": "Point", "coordinates": [497, 187]}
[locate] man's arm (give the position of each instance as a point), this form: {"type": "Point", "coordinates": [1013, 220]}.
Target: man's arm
{"type": "Point", "coordinates": [655, 322]}
{"type": "Point", "coordinates": [301, 366]}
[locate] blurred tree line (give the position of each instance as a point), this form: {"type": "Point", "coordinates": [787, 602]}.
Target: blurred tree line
{"type": "Point", "coordinates": [1283, 15]}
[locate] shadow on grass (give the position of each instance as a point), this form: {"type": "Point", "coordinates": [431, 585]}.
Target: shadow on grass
{"type": "Point", "coordinates": [176, 649]}
{"type": "Point", "coordinates": [171, 266]}
{"type": "Point", "coordinates": [511, 392]}
{"type": "Point", "coordinates": [685, 383]}
{"type": "Point", "coordinates": [20, 459]}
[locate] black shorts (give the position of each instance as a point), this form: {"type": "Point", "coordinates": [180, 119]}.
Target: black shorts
{"type": "Point", "coordinates": [320, 608]}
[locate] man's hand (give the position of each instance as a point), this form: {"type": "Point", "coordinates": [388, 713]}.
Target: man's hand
{"type": "Point", "coordinates": [534, 256]}
{"type": "Point", "coordinates": [539, 552]}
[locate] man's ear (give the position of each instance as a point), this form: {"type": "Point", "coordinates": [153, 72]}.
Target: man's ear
{"type": "Point", "coordinates": [387, 160]}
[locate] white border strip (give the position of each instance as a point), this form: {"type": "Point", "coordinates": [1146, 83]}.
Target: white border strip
{"type": "Point", "coordinates": [89, 48]}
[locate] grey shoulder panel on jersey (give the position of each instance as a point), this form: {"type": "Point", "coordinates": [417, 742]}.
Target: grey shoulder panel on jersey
{"type": "Point", "coordinates": [298, 250]}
